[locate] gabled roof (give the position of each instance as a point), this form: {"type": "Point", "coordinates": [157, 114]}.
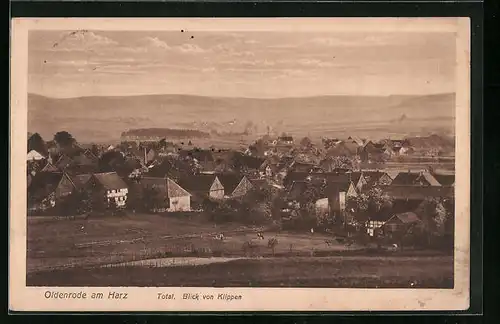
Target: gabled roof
{"type": "Point", "coordinates": [80, 180]}
{"type": "Point", "coordinates": [43, 184]}
{"type": "Point", "coordinates": [230, 181]}
{"type": "Point", "coordinates": [354, 176]}
{"type": "Point", "coordinates": [411, 178]}
{"type": "Point", "coordinates": [198, 182]}
{"type": "Point", "coordinates": [408, 218]}
{"type": "Point", "coordinates": [250, 162]}
{"type": "Point", "coordinates": [372, 177]}
{"type": "Point", "coordinates": [418, 192]}
{"type": "Point", "coordinates": [167, 187]}
{"type": "Point", "coordinates": [430, 179]}
{"type": "Point", "coordinates": [110, 180]}
{"type": "Point", "coordinates": [63, 161]}
{"type": "Point", "coordinates": [49, 167]}
{"type": "Point", "coordinates": [303, 167]}
{"type": "Point", "coordinates": [445, 179]}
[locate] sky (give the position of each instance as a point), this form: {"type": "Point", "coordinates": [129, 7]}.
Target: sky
{"type": "Point", "coordinates": [256, 64]}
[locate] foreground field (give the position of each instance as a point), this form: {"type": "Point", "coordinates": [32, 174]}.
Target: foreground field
{"type": "Point", "coordinates": [56, 244]}
{"type": "Point", "coordinates": [339, 272]}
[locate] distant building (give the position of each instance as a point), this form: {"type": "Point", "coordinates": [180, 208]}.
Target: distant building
{"type": "Point", "coordinates": [400, 224]}
{"type": "Point", "coordinates": [168, 195]}
{"type": "Point", "coordinates": [284, 140]}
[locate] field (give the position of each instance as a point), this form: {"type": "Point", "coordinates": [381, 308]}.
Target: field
{"type": "Point", "coordinates": [95, 252]}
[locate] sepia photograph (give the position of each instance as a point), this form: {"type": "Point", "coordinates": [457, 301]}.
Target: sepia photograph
{"type": "Point", "coordinates": [228, 154]}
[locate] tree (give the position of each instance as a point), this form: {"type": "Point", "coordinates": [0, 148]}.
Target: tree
{"type": "Point", "coordinates": [64, 139]}
{"type": "Point", "coordinates": [434, 218]}
{"type": "Point", "coordinates": [305, 142]}
{"type": "Point", "coordinates": [36, 142]}
{"type": "Point", "coordinates": [366, 204]}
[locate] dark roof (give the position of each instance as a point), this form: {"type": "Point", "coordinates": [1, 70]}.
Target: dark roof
{"type": "Point", "coordinates": [43, 184]}
{"type": "Point", "coordinates": [336, 187]}
{"type": "Point", "coordinates": [198, 182]}
{"type": "Point", "coordinates": [372, 177]}
{"type": "Point", "coordinates": [354, 176]}
{"type": "Point", "coordinates": [82, 159]}
{"type": "Point", "coordinates": [403, 206]}
{"type": "Point", "coordinates": [285, 138]}
{"type": "Point", "coordinates": [303, 167]}
{"type": "Point", "coordinates": [250, 162]}
{"type": "Point", "coordinates": [406, 178]}
{"type": "Point", "coordinates": [63, 161]}
{"type": "Point", "coordinates": [445, 179]}
{"type": "Point", "coordinates": [110, 180]}
{"type": "Point", "coordinates": [167, 187]}
{"type": "Point", "coordinates": [418, 192]}
{"type": "Point", "coordinates": [230, 181]}
{"type": "Point", "coordinates": [408, 218]}
{"type": "Point", "coordinates": [80, 180]}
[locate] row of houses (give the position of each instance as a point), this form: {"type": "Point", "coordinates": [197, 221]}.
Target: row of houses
{"type": "Point", "coordinates": [407, 191]}
{"type": "Point", "coordinates": [48, 189]}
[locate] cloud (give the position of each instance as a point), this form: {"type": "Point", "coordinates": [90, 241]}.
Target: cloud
{"type": "Point", "coordinates": [81, 40]}
{"type": "Point", "coordinates": [156, 43]}
{"type": "Point", "coordinates": [190, 48]}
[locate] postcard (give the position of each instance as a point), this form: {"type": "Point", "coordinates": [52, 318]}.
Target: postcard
{"type": "Point", "coordinates": [264, 164]}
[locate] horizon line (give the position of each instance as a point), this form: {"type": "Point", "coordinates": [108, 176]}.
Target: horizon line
{"type": "Point", "coordinates": [235, 97]}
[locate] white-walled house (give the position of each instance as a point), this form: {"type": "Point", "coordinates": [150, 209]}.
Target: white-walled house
{"type": "Point", "coordinates": [109, 187]}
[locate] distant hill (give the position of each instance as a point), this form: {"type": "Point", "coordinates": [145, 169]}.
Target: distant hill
{"type": "Point", "coordinates": [165, 132]}
{"type": "Point", "coordinates": [105, 118]}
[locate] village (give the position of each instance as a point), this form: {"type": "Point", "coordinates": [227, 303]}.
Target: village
{"type": "Point", "coordinates": [355, 189]}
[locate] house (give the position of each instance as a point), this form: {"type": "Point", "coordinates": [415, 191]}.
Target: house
{"type": "Point", "coordinates": [376, 178]}
{"type": "Point", "coordinates": [108, 189]}
{"type": "Point", "coordinates": [400, 223]}
{"type": "Point", "coordinates": [246, 163]}
{"type": "Point", "coordinates": [358, 180]}
{"type": "Point", "coordinates": [47, 189]}
{"type": "Point", "coordinates": [168, 195]}
{"type": "Point", "coordinates": [285, 140]}
{"type": "Point", "coordinates": [63, 162]}
{"type": "Point", "coordinates": [80, 180]}
{"type": "Point", "coordinates": [422, 178]}
{"type": "Point", "coordinates": [235, 185]}
{"type": "Point", "coordinates": [203, 185]}
{"type": "Point", "coordinates": [338, 193]}
{"type": "Point", "coordinates": [445, 179]}
{"type": "Point", "coordinates": [34, 156]}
